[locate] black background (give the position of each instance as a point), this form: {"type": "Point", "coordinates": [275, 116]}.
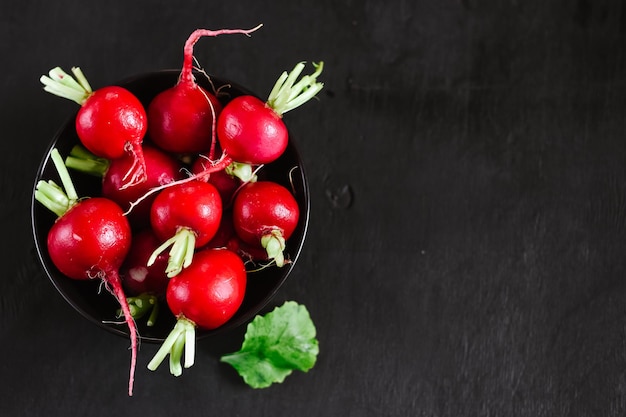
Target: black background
{"type": "Point", "coordinates": [465, 255]}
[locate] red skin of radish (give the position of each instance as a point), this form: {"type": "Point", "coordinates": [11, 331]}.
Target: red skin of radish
{"type": "Point", "coordinates": [246, 251]}
{"type": "Point", "coordinates": [251, 132]}
{"type": "Point", "coordinates": [224, 233]}
{"type": "Point", "coordinates": [90, 241]}
{"type": "Point", "coordinates": [210, 291]}
{"type": "Point", "coordinates": [137, 277]}
{"type": "Point", "coordinates": [181, 118]}
{"type": "Point", "coordinates": [262, 207]}
{"type": "Point", "coordinates": [161, 169]}
{"type": "Point", "coordinates": [112, 123]}
{"type": "Point", "coordinates": [226, 237]}
{"type": "Point", "coordinates": [195, 205]}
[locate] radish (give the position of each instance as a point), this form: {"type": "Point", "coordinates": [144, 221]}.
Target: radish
{"type": "Point", "coordinates": [161, 168]}
{"type": "Point", "coordinates": [252, 131]}
{"type": "Point", "coordinates": [265, 214]}
{"type": "Point", "coordinates": [187, 215]}
{"type": "Point", "coordinates": [246, 251]}
{"type": "Point", "coordinates": [205, 295]}
{"type": "Point", "coordinates": [89, 240]}
{"type": "Point", "coordinates": [139, 278]}
{"type": "Point", "coordinates": [111, 122]}
{"type": "Point", "coordinates": [181, 119]}
{"type": "Point", "coordinates": [145, 284]}
{"type": "Point", "coordinates": [226, 237]}
{"type": "Point", "coordinates": [224, 233]}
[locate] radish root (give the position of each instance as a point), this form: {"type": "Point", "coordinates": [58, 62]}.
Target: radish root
{"type": "Point", "coordinates": [136, 174]}
{"type": "Point", "coordinates": [186, 73]}
{"type": "Point", "coordinates": [115, 286]}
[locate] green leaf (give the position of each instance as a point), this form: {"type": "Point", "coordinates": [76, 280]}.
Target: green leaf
{"type": "Point", "coordinates": [275, 345]}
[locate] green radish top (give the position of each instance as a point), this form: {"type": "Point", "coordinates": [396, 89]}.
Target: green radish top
{"type": "Point", "coordinates": [61, 84]}
{"type": "Point", "coordinates": [51, 195]}
{"type": "Point", "coordinates": [84, 161]}
{"type": "Point", "coordinates": [287, 94]}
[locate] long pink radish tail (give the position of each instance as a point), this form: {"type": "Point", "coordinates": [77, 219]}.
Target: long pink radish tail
{"type": "Point", "coordinates": [115, 287]}
{"type": "Point", "coordinates": [186, 75]}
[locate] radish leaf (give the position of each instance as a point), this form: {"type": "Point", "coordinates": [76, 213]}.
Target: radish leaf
{"type": "Point", "coordinates": [276, 344]}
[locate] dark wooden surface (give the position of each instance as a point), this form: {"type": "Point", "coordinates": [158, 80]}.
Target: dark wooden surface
{"type": "Point", "coordinates": [467, 165]}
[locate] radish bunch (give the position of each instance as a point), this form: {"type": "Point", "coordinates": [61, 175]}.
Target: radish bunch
{"type": "Point", "coordinates": [183, 206]}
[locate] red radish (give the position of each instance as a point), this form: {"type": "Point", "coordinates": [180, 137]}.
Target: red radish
{"type": "Point", "coordinates": [181, 119]}
{"type": "Point", "coordinates": [139, 278]}
{"type": "Point", "coordinates": [89, 240]}
{"type": "Point", "coordinates": [266, 214]}
{"type": "Point", "coordinates": [224, 233]}
{"type": "Point", "coordinates": [205, 295]}
{"type": "Point", "coordinates": [187, 215]}
{"type": "Point", "coordinates": [111, 122]}
{"type": "Point", "coordinates": [247, 252]}
{"type": "Point", "coordinates": [226, 237]}
{"type": "Point", "coordinates": [145, 284]}
{"type": "Point", "coordinates": [161, 168]}
{"type": "Point", "coordinates": [252, 131]}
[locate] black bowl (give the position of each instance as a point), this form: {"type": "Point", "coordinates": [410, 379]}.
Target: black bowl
{"type": "Point", "coordinates": [97, 304]}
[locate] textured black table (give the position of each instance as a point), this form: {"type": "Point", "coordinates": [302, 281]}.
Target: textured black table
{"type": "Point", "coordinates": [465, 255]}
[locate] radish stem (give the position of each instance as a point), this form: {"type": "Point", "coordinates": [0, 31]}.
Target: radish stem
{"type": "Point", "coordinates": [66, 180]}
{"type": "Point", "coordinates": [190, 348]}
{"type": "Point", "coordinates": [53, 196]}
{"type": "Point", "coordinates": [176, 354]}
{"type": "Point", "coordinates": [141, 305]}
{"type": "Point", "coordinates": [274, 244]}
{"type": "Point", "coordinates": [181, 253]}
{"type": "Point", "coordinates": [242, 171]}
{"type": "Point", "coordinates": [82, 80]}
{"type": "Point", "coordinates": [154, 313]}
{"type": "Point", "coordinates": [80, 159]}
{"type": "Point", "coordinates": [181, 337]}
{"type": "Point", "coordinates": [287, 94]}
{"type": "Point", "coordinates": [61, 84]}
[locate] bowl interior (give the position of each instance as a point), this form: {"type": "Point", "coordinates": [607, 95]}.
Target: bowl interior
{"type": "Point", "coordinates": [97, 304]}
